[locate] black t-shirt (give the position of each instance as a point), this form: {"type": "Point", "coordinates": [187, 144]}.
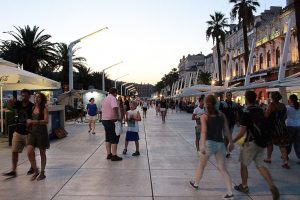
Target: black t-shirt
{"type": "Point", "coordinates": [126, 103]}
{"type": "Point", "coordinates": [163, 104]}
{"type": "Point", "coordinates": [23, 113]}
{"type": "Point", "coordinates": [250, 115]}
{"type": "Point", "coordinates": [229, 109]}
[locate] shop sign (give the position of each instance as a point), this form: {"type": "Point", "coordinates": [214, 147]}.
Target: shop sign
{"type": "Point", "coordinates": [4, 78]}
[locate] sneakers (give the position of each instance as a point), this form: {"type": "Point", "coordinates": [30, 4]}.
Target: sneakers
{"type": "Point", "coordinates": [241, 188]}
{"type": "Point", "coordinates": [30, 171]}
{"type": "Point", "coordinates": [109, 156]}
{"type": "Point", "coordinates": [275, 193]}
{"type": "Point", "coordinates": [116, 158]}
{"type": "Point", "coordinates": [228, 197]}
{"type": "Point", "coordinates": [194, 185]}
{"type": "Point", "coordinates": [137, 153]}
{"type": "Point", "coordinates": [10, 174]}
{"type": "Point", "coordinates": [228, 155]}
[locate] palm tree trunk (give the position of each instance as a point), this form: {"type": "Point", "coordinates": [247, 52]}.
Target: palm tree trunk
{"type": "Point", "coordinates": [246, 45]}
{"type": "Point", "coordinates": [297, 13]}
{"type": "Point", "coordinates": [219, 61]}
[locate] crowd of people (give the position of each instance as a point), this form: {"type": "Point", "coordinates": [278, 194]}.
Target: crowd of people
{"type": "Point", "coordinates": [259, 126]}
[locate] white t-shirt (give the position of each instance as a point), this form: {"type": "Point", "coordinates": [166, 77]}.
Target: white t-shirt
{"type": "Point", "coordinates": [145, 104]}
{"type": "Point", "coordinates": [198, 111]}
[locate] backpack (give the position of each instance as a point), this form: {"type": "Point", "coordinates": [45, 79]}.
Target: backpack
{"type": "Point", "coordinates": [260, 131]}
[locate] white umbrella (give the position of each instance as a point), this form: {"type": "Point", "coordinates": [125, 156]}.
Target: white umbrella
{"type": "Point", "coordinates": [13, 78]}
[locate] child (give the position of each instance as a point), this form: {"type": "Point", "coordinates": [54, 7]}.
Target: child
{"type": "Point", "coordinates": [132, 117]}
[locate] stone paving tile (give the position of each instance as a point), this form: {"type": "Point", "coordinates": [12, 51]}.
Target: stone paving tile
{"type": "Point", "coordinates": [77, 168]}
{"type": "Point", "coordinates": [109, 182]}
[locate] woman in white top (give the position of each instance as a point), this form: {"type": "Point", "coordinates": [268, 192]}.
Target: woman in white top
{"type": "Point", "coordinates": [293, 124]}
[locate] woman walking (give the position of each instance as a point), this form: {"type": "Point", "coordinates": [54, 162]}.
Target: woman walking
{"type": "Point", "coordinates": [92, 113]}
{"type": "Point", "coordinates": [38, 137]}
{"type": "Point", "coordinates": [293, 124]}
{"type": "Point", "coordinates": [213, 124]}
{"type": "Point", "coordinates": [276, 114]}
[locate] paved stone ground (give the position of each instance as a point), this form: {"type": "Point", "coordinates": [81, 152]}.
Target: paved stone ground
{"type": "Point", "coordinates": [77, 168]}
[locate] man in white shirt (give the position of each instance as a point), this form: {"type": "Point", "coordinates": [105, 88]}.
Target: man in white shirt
{"type": "Point", "coordinates": [198, 111]}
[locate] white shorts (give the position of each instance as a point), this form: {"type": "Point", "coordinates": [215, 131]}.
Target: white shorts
{"type": "Point", "coordinates": [92, 118]}
{"type": "Point", "coordinates": [162, 109]}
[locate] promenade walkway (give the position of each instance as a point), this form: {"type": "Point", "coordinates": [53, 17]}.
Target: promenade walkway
{"type": "Point", "coordinates": [77, 168]}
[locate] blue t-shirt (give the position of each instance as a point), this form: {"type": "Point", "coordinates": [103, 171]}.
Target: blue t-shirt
{"type": "Point", "coordinates": [92, 109]}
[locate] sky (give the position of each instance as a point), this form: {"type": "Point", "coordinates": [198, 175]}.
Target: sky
{"type": "Point", "coordinates": [148, 36]}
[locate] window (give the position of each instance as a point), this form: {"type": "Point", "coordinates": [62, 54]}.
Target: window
{"type": "Point", "coordinates": [237, 69]}
{"type": "Point", "coordinates": [277, 56]}
{"type": "Point", "coordinates": [261, 61]}
{"type": "Point", "coordinates": [268, 59]}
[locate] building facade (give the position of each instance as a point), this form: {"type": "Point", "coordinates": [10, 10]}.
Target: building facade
{"type": "Point", "coordinates": [269, 34]}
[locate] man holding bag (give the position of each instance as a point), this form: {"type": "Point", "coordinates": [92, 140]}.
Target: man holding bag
{"type": "Point", "coordinates": [110, 110]}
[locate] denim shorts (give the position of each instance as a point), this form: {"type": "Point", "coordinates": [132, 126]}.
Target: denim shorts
{"type": "Point", "coordinates": [213, 147]}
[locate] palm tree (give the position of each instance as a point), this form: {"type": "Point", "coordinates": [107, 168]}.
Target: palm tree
{"type": "Point", "coordinates": [243, 9]}
{"type": "Point", "coordinates": [216, 30]}
{"type": "Point", "coordinates": [62, 61]}
{"type": "Point", "coordinates": [29, 48]}
{"type": "Point", "coordinates": [205, 77]}
{"type": "Point", "coordinates": [83, 77]}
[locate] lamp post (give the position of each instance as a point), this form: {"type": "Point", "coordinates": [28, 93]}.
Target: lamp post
{"type": "Point", "coordinates": [122, 87]}
{"type": "Point", "coordinates": [70, 55]}
{"type": "Point", "coordinates": [118, 79]}
{"type": "Point", "coordinates": [103, 81]}
{"type": "Point", "coordinates": [129, 86]}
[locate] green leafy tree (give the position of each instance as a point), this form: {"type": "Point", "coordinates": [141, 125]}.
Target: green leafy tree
{"type": "Point", "coordinates": [30, 48]}
{"type": "Point", "coordinates": [216, 31]}
{"type": "Point", "coordinates": [243, 10]}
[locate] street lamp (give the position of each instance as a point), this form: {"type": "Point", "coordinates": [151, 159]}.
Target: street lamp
{"type": "Point", "coordinates": [103, 81]}
{"type": "Point", "coordinates": [131, 90]}
{"type": "Point", "coordinates": [129, 86]}
{"type": "Point", "coordinates": [70, 55]}
{"type": "Point", "coordinates": [119, 78]}
{"type": "Point", "coordinates": [122, 87]}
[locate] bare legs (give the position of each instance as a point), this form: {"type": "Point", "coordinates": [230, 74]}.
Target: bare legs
{"type": "Point", "coordinates": [284, 154]}
{"type": "Point", "coordinates": [15, 158]}
{"type": "Point", "coordinates": [31, 156]}
{"type": "Point", "coordinates": [92, 125]}
{"type": "Point", "coordinates": [221, 167]}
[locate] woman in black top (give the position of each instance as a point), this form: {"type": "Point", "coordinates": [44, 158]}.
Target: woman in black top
{"type": "Point", "coordinates": [213, 124]}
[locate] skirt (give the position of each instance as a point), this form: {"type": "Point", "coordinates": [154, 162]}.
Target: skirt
{"type": "Point", "coordinates": [132, 136]}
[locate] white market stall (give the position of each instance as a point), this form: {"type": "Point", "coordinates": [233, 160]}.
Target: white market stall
{"type": "Point", "coordinates": [13, 78]}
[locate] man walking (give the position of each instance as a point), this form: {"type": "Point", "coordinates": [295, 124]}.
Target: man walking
{"type": "Point", "coordinates": [253, 124]}
{"type": "Point", "coordinates": [198, 111]}
{"type": "Point", "coordinates": [19, 141]}
{"type": "Point", "coordinates": [229, 108]}
{"type": "Point", "coordinates": [110, 114]}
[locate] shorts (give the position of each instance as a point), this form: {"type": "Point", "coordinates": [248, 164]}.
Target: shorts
{"type": "Point", "coordinates": [110, 132]}
{"type": "Point", "coordinates": [132, 136]}
{"type": "Point", "coordinates": [145, 109]}
{"type": "Point", "coordinates": [213, 147]}
{"type": "Point", "coordinates": [92, 118]}
{"type": "Point", "coordinates": [162, 109]}
{"type": "Point", "coordinates": [251, 152]}
{"type": "Point", "coordinates": [19, 142]}
{"type": "Point", "coordinates": [197, 132]}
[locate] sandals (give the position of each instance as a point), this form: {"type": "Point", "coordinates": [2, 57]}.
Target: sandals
{"type": "Point", "coordinates": [35, 175]}
{"type": "Point", "coordinates": [42, 176]}
{"type": "Point", "coordinates": [124, 151]}
{"type": "Point", "coordinates": [194, 185]}
{"type": "Point", "coordinates": [241, 188]}
{"type": "Point", "coordinates": [267, 161]}
{"type": "Point", "coordinates": [286, 166]}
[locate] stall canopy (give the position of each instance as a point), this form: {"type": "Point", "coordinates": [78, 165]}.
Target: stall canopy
{"type": "Point", "coordinates": [13, 78]}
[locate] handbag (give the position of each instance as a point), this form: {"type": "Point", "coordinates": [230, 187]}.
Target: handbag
{"type": "Point", "coordinates": [118, 128]}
